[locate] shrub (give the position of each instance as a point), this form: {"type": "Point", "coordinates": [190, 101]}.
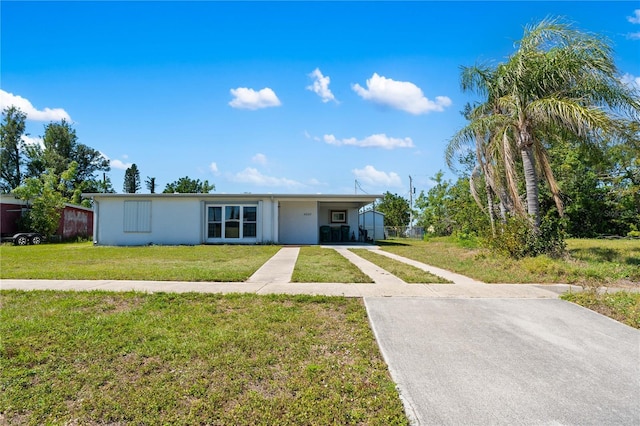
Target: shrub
{"type": "Point", "coordinates": [516, 238]}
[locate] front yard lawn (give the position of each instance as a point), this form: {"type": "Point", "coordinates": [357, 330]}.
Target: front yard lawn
{"type": "Point", "coordinates": [185, 359]}
{"type": "Point", "coordinates": [83, 261]}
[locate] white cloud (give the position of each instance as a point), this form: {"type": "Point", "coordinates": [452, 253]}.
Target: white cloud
{"type": "Point", "coordinates": [370, 176]}
{"type": "Point", "coordinates": [320, 86]}
{"type": "Point", "coordinates": [259, 159]}
{"type": "Point", "coordinates": [48, 114]}
{"type": "Point", "coordinates": [119, 164]}
{"type": "Point", "coordinates": [633, 36]}
{"type": "Point", "coordinates": [402, 95]}
{"type": "Point", "coordinates": [635, 19]}
{"type": "Point", "coordinates": [378, 140]}
{"type": "Point", "coordinates": [28, 140]}
{"type": "Point", "coordinates": [631, 81]}
{"type": "Point", "coordinates": [245, 98]}
{"type": "Point", "coordinates": [213, 167]}
{"type": "Point", "coordinates": [253, 176]}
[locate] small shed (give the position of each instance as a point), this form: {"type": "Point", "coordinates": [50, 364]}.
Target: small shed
{"type": "Point", "coordinates": [372, 221]}
{"type": "Point", "coordinates": [75, 221]}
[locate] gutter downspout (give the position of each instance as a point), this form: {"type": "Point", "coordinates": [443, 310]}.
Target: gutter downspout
{"type": "Point", "coordinates": [96, 209]}
{"type": "Point", "coordinates": [273, 218]}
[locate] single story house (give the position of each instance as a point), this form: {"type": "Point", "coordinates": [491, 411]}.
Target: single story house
{"type": "Point", "coordinates": [75, 221]}
{"type": "Point", "coordinates": [191, 219]}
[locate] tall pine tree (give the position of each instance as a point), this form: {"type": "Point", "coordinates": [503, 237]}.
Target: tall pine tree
{"type": "Point", "coordinates": [131, 180]}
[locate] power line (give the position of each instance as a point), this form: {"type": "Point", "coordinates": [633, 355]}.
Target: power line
{"type": "Point", "coordinates": [357, 185]}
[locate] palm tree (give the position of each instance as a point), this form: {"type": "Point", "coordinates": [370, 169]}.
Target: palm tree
{"type": "Point", "coordinates": [559, 81]}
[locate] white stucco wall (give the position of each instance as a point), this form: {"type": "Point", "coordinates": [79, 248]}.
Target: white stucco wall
{"type": "Point", "coordinates": [170, 219]}
{"type": "Point", "coordinates": [173, 221]}
{"type": "Point", "coordinates": [298, 222]}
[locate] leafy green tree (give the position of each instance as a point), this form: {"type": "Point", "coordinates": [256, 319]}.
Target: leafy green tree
{"type": "Point", "coordinates": [396, 210]}
{"type": "Point", "coordinates": [131, 180]}
{"type": "Point", "coordinates": [61, 148]}
{"type": "Point", "coordinates": [90, 163]}
{"type": "Point", "coordinates": [449, 208]}
{"type": "Point", "coordinates": [434, 216]}
{"type": "Point", "coordinates": [467, 217]}
{"type": "Point", "coordinates": [44, 195]}
{"type": "Point", "coordinates": [11, 148]}
{"type": "Point", "coordinates": [186, 185]}
{"type": "Point", "coordinates": [59, 142]}
{"type": "Point", "coordinates": [600, 185]}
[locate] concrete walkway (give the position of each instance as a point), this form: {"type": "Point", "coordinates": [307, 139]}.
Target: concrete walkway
{"type": "Point", "coordinates": [274, 277]}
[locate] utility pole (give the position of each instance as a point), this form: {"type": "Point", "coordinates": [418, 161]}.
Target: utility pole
{"type": "Point", "coordinates": [410, 205]}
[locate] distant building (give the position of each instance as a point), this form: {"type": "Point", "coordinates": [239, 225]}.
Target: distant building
{"type": "Point", "coordinates": [75, 221]}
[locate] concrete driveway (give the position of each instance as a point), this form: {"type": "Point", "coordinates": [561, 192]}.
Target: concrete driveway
{"type": "Point", "coordinates": [508, 361]}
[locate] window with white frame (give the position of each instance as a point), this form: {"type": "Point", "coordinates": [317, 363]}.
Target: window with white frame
{"type": "Point", "coordinates": [232, 221]}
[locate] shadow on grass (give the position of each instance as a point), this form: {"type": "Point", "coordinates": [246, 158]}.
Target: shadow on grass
{"type": "Point", "coordinates": [632, 261]}
{"type": "Point", "coordinates": [598, 254]}
{"type": "Point", "coordinates": [385, 243]}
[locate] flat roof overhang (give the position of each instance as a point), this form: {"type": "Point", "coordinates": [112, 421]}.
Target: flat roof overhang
{"type": "Point", "coordinates": [362, 199]}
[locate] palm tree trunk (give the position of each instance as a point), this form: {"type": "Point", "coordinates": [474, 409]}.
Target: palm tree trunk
{"type": "Point", "coordinates": [491, 209]}
{"type": "Point", "coordinates": [531, 184]}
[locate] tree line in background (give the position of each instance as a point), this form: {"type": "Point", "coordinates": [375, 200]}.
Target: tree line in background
{"type": "Point", "coordinates": [59, 170]}
{"type": "Point", "coordinates": [551, 148]}
{"type": "Point", "coordinates": [184, 185]}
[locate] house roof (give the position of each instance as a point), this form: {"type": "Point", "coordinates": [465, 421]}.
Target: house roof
{"type": "Point", "coordinates": [360, 198]}
{"type": "Point", "coordinates": [13, 200]}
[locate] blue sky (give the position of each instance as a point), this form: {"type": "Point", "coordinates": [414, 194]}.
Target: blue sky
{"type": "Point", "coordinates": [272, 97]}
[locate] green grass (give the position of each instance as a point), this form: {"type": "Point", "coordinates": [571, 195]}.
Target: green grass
{"type": "Point", "coordinates": [407, 273]}
{"type": "Point", "coordinates": [589, 262]}
{"type": "Point", "coordinates": [622, 306]}
{"type": "Point", "coordinates": [325, 265]}
{"type": "Point", "coordinates": [232, 263]}
{"type": "Point", "coordinates": [133, 358]}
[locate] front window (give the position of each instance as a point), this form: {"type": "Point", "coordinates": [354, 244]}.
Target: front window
{"type": "Point", "coordinates": [232, 222]}
{"type": "Point", "coordinates": [215, 222]}
{"type": "Point", "coordinates": [249, 223]}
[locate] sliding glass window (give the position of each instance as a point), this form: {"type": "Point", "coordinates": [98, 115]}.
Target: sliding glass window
{"type": "Point", "coordinates": [232, 222]}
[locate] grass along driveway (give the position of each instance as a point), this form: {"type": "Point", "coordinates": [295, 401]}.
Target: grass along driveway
{"type": "Point", "coordinates": [590, 262]}
{"type": "Point", "coordinates": [325, 265]}
{"type": "Point", "coordinates": [407, 273]}
{"type": "Point", "coordinates": [134, 358]}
